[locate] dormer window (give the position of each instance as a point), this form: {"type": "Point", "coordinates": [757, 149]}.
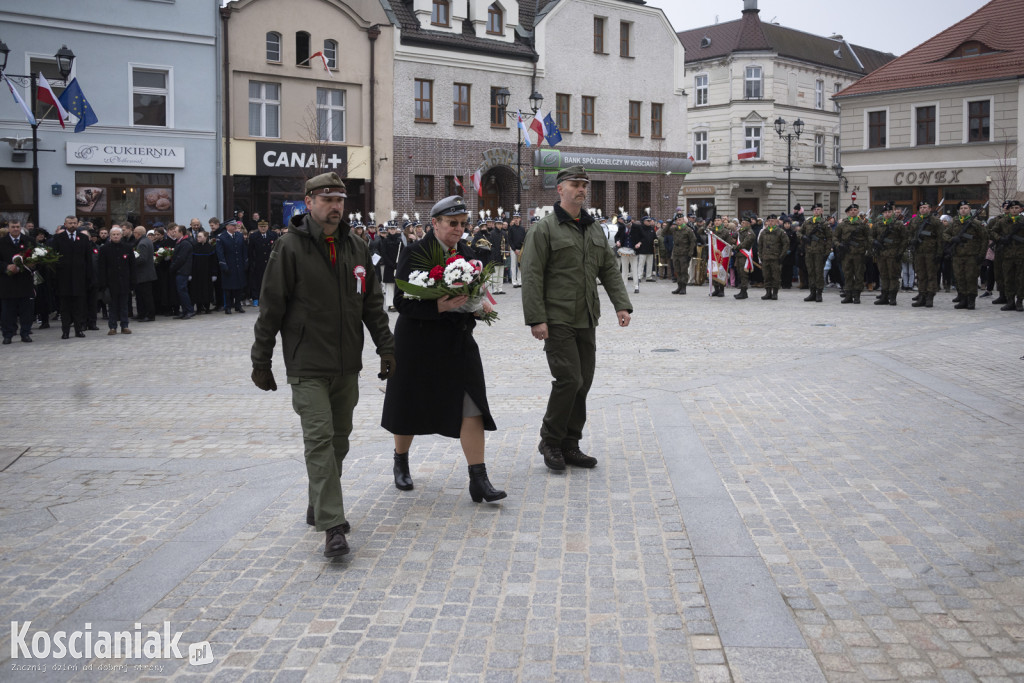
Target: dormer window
{"type": "Point", "coordinates": [705, 42]}
{"type": "Point", "coordinates": [440, 14]}
{"type": "Point", "coordinates": [495, 20]}
{"type": "Point", "coordinates": [972, 48]}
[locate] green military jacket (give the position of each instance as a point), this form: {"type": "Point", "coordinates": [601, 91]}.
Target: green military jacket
{"type": "Point", "coordinates": [926, 235]}
{"type": "Point", "coordinates": [562, 259]}
{"type": "Point", "coordinates": [854, 234]}
{"type": "Point", "coordinates": [772, 243]}
{"type": "Point", "coordinates": [1010, 233]}
{"type": "Point", "coordinates": [745, 237]}
{"type": "Point", "coordinates": [316, 307]}
{"type": "Point", "coordinates": [683, 239]}
{"type": "Point", "coordinates": [816, 236]}
{"type": "Point", "coordinates": [889, 237]}
{"type": "Point", "coordinates": [967, 236]}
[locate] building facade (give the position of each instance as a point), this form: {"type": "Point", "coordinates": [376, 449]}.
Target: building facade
{"type": "Point", "coordinates": [941, 123]}
{"type": "Point", "coordinates": [149, 72]}
{"type": "Point", "coordinates": [615, 92]}
{"type": "Point", "coordinates": [743, 76]}
{"type": "Point", "coordinates": [307, 91]}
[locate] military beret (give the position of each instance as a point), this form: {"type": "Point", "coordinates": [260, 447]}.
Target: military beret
{"type": "Point", "coordinates": [964, 202]}
{"type": "Point", "coordinates": [771, 217]}
{"type": "Point", "coordinates": [572, 173]}
{"type": "Point", "coordinates": [923, 202]}
{"type": "Point", "coordinates": [888, 206]}
{"type": "Point", "coordinates": [817, 206]}
{"type": "Point", "coordinates": [449, 206]}
{"type": "Point", "coordinates": [1015, 202]}
{"type": "Point", "coordinates": [325, 185]}
{"type": "Point", "coordinates": [851, 207]}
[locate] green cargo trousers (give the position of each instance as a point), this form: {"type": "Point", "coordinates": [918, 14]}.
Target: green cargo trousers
{"type": "Point", "coordinates": [324, 406]}
{"type": "Point", "coordinates": [815, 270]}
{"type": "Point", "coordinates": [572, 356]}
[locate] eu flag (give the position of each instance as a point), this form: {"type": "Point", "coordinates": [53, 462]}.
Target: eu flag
{"type": "Point", "coordinates": [73, 99]}
{"type": "Point", "coordinates": [554, 136]}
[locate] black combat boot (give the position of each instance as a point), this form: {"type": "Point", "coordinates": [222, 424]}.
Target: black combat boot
{"type": "Point", "coordinates": [919, 302]}
{"type": "Point", "coordinates": [403, 480]}
{"type": "Point", "coordinates": [812, 295]}
{"type": "Point", "coordinates": [553, 457]}
{"type": "Point", "coordinates": [883, 300]}
{"type": "Point", "coordinates": [817, 295]}
{"type": "Point", "coordinates": [480, 486]}
{"type": "Point", "coordinates": [1001, 299]}
{"type": "Point", "coordinates": [970, 301]}
{"type": "Point", "coordinates": [742, 294]}
{"type": "Point", "coordinates": [1020, 304]}
{"type": "Point", "coordinates": [1008, 306]}
{"type": "Point", "coordinates": [679, 287]}
{"type": "Point", "coordinates": [929, 300]}
{"type": "Point", "coordinates": [892, 297]}
{"type": "Point", "coordinates": [848, 298]}
{"type": "Point", "coordinates": [682, 287]}
{"type": "Point", "coordinates": [959, 297]}
{"type": "Point", "coordinates": [335, 544]}
{"type": "Point", "coordinates": [918, 297]}
{"type": "Point", "coordinates": [775, 293]}
{"type": "Point", "coordinates": [767, 294]}
{"type": "Point", "coordinates": [961, 301]}
{"type": "Point", "coordinates": [856, 297]}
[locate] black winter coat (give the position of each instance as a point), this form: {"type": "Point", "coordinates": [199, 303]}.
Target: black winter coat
{"type": "Point", "coordinates": [204, 268]}
{"type": "Point", "coordinates": [115, 268]}
{"type": "Point", "coordinates": [74, 269]}
{"type": "Point", "coordinates": [437, 362]}
{"type": "Point", "coordinates": [15, 286]}
{"type": "Point", "coordinates": [260, 246]}
{"type": "Point", "coordinates": [389, 248]}
{"type": "Point", "coordinates": [181, 262]}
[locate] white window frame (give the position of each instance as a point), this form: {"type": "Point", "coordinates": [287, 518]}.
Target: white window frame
{"type": "Point", "coordinates": [755, 140]}
{"type": "Point", "coordinates": [699, 145]}
{"type": "Point", "coordinates": [263, 101]}
{"type": "Point", "coordinates": [819, 149]}
{"type": "Point", "coordinates": [991, 117]}
{"type": "Point", "coordinates": [867, 127]}
{"type": "Point", "coordinates": [331, 111]}
{"type": "Point", "coordinates": [168, 92]}
{"type": "Point", "coordinates": [913, 122]}
{"type": "Point", "coordinates": [835, 103]}
{"type": "Point", "coordinates": [26, 92]}
{"type": "Point", "coordinates": [837, 150]}
{"type": "Point", "coordinates": [819, 94]}
{"type": "Point", "coordinates": [332, 60]}
{"type": "Point", "coordinates": [280, 48]}
{"type": "Point", "coordinates": [759, 80]}
{"type": "Point", "coordinates": [698, 88]}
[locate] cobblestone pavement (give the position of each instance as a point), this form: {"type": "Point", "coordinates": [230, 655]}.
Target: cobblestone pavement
{"type": "Point", "coordinates": [786, 491]}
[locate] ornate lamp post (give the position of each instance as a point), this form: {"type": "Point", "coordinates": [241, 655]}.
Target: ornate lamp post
{"type": "Point", "coordinates": [780, 128]}
{"type": "Point", "coordinates": [536, 100]}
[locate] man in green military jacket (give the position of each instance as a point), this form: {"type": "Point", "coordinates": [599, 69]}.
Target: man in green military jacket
{"type": "Point", "coordinates": [926, 242]}
{"type": "Point", "coordinates": [1010, 246]}
{"type": "Point", "coordinates": [564, 255]}
{"type": "Point", "coordinates": [772, 246]}
{"type": "Point", "coordinates": [683, 241]}
{"type": "Point", "coordinates": [967, 241]}
{"type": "Point", "coordinates": [816, 240]}
{"type": "Point", "coordinates": [744, 243]}
{"type": "Point", "coordinates": [318, 291]}
{"type": "Point", "coordinates": [889, 241]}
{"type": "Point", "coordinates": [853, 238]}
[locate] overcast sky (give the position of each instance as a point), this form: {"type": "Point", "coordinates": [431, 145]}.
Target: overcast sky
{"type": "Point", "coordinates": [894, 26]}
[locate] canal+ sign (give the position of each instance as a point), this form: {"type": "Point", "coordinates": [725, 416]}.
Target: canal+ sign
{"type": "Point", "coordinates": [282, 159]}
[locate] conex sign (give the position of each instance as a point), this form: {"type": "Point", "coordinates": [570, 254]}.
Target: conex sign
{"type": "Point", "coordinates": [298, 160]}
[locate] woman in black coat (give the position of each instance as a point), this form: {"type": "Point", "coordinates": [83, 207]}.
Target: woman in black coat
{"type": "Point", "coordinates": [438, 384]}
{"type": "Point", "coordinates": [204, 273]}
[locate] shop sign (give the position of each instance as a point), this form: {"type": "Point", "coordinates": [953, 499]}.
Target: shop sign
{"type": "Point", "coordinates": [282, 159]}
{"type": "Point", "coordinates": [121, 154]}
{"type": "Point", "coordinates": [612, 163]}
{"type": "Point", "coordinates": [699, 189]}
{"type": "Point", "coordinates": [950, 177]}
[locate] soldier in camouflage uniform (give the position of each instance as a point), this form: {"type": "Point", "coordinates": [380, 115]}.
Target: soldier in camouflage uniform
{"type": "Point", "coordinates": [744, 241]}
{"type": "Point", "coordinates": [720, 230]}
{"type": "Point", "coordinates": [1011, 245]}
{"type": "Point", "coordinates": [995, 233]}
{"type": "Point", "coordinates": [926, 242]}
{"type": "Point", "coordinates": [889, 240]}
{"type": "Point", "coordinates": [853, 238]}
{"type": "Point", "coordinates": [683, 240]}
{"type": "Point", "coordinates": [772, 245]}
{"type": "Point", "coordinates": [966, 241]}
{"type": "Point", "coordinates": [816, 237]}
{"type": "Point", "coordinates": [700, 234]}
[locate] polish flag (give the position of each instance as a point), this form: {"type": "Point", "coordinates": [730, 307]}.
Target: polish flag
{"type": "Point", "coordinates": [478, 182]}
{"type": "Point", "coordinates": [748, 153]}
{"type": "Point", "coordinates": [458, 184]}
{"type": "Point", "coordinates": [537, 126]}
{"type": "Point", "coordinates": [44, 93]}
{"type": "Point", "coordinates": [324, 60]}
{"type": "Point", "coordinates": [522, 127]}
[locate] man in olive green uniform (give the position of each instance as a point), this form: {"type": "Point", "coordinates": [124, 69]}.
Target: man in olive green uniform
{"type": "Point", "coordinates": [683, 240]}
{"type": "Point", "coordinates": [1011, 245]}
{"type": "Point", "coordinates": [318, 291]}
{"type": "Point", "coordinates": [772, 245]}
{"type": "Point", "coordinates": [995, 233]}
{"type": "Point", "coordinates": [967, 241]}
{"type": "Point", "coordinates": [720, 229]}
{"type": "Point", "coordinates": [564, 255]}
{"type": "Point", "coordinates": [853, 237]}
{"type": "Point", "coordinates": [926, 242]}
{"type": "Point", "coordinates": [889, 241]}
{"type": "Point", "coordinates": [700, 268]}
{"type": "Point", "coordinates": [816, 238]}
{"type": "Point", "coordinates": [744, 243]}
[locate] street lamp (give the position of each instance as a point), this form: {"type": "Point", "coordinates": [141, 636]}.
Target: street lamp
{"type": "Point", "coordinates": [65, 60]}
{"type": "Point", "coordinates": [536, 100]}
{"type": "Point", "coordinates": [780, 128]}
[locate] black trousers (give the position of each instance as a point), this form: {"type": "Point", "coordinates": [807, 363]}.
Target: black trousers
{"type": "Point", "coordinates": [17, 313]}
{"type": "Point", "coordinates": [232, 299]}
{"type": "Point", "coordinates": [572, 357]}
{"type": "Point", "coordinates": [144, 300]}
{"type": "Point", "coordinates": [72, 306]}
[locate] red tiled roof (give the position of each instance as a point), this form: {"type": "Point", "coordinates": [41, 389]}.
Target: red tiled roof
{"type": "Point", "coordinates": [997, 25]}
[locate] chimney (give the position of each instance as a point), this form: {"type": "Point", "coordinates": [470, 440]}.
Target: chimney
{"type": "Point", "coordinates": [750, 6]}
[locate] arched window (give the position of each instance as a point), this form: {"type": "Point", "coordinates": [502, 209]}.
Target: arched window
{"type": "Point", "coordinates": [495, 20]}
{"type": "Point", "coordinates": [331, 53]}
{"type": "Point", "coordinates": [441, 14]}
{"type": "Point", "coordinates": [302, 48]}
{"type": "Point", "coordinates": [273, 46]}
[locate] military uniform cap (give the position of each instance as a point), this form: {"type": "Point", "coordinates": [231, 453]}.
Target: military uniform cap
{"type": "Point", "coordinates": [263, 224]}
{"type": "Point", "coordinates": [449, 206]}
{"type": "Point", "coordinates": [325, 185]}
{"type": "Point", "coordinates": [923, 202]}
{"type": "Point", "coordinates": [1014, 202]}
{"type": "Point", "coordinates": [963, 202]}
{"type": "Point", "coordinates": [771, 217]}
{"type": "Point", "coordinates": [817, 206]}
{"type": "Point", "coordinates": [851, 207]}
{"type": "Point", "coordinates": [572, 173]}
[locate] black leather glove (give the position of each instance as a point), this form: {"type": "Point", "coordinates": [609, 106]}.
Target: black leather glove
{"type": "Point", "coordinates": [387, 365]}
{"type": "Point", "coordinates": [264, 379]}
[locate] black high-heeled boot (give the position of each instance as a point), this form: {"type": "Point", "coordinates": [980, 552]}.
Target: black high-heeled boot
{"type": "Point", "coordinates": [480, 486]}
{"type": "Point", "coordinates": [403, 480]}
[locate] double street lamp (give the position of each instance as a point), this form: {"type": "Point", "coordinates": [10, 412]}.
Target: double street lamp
{"type": "Point", "coordinates": [65, 60]}
{"type": "Point", "coordinates": [501, 98]}
{"type": "Point", "coordinates": [780, 128]}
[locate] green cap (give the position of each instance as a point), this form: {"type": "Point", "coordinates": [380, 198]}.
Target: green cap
{"type": "Point", "coordinates": [572, 173]}
{"type": "Point", "coordinates": [325, 185]}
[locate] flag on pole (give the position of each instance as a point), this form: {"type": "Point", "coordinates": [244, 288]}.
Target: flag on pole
{"type": "Point", "coordinates": [458, 183]}
{"type": "Point", "coordinates": [44, 93]}
{"type": "Point", "coordinates": [553, 135]}
{"type": "Point", "coordinates": [537, 126]}
{"type": "Point", "coordinates": [522, 127]}
{"type": "Point", "coordinates": [748, 153]}
{"type": "Point", "coordinates": [21, 102]}
{"type": "Point", "coordinates": [718, 260]}
{"type": "Point", "coordinates": [478, 182]}
{"type": "Point", "coordinates": [322, 59]}
{"type": "Point", "coordinates": [74, 101]}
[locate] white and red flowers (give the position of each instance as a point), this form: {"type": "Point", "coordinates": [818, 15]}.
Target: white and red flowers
{"type": "Point", "coordinates": [450, 276]}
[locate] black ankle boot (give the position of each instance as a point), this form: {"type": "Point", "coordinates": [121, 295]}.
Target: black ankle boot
{"type": "Point", "coordinates": [811, 295]}
{"type": "Point", "coordinates": [682, 288]}
{"type": "Point", "coordinates": [480, 486]}
{"type": "Point", "coordinates": [775, 293]}
{"type": "Point", "coordinates": [403, 480]}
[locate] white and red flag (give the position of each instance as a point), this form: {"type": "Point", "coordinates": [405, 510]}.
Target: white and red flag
{"type": "Point", "coordinates": [478, 182]}
{"type": "Point", "coordinates": [537, 126]}
{"type": "Point", "coordinates": [748, 153]}
{"type": "Point", "coordinates": [458, 184]}
{"type": "Point", "coordinates": [718, 260]}
{"type": "Point", "coordinates": [44, 93]}
{"type": "Point", "coordinates": [322, 59]}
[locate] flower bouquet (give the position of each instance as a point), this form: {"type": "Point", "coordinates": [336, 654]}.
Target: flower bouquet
{"type": "Point", "coordinates": [31, 258]}
{"type": "Point", "coordinates": [436, 274]}
{"type": "Point", "coordinates": [163, 254]}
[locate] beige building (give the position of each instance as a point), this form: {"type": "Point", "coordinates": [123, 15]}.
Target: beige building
{"type": "Point", "coordinates": [941, 123]}
{"type": "Point", "coordinates": [744, 75]}
{"type": "Point", "coordinates": [308, 88]}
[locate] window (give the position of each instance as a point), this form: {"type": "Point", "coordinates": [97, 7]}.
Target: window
{"type": "Point", "coordinates": [499, 119]}
{"type": "Point", "coordinates": [700, 86]}
{"type": "Point", "coordinates": [598, 190]}
{"type": "Point", "coordinates": [621, 194]}
{"type": "Point", "coordinates": [643, 197]}
{"type": "Point", "coordinates": [301, 48]}
{"type": "Point", "coordinates": [440, 15]}
{"type": "Point", "coordinates": [876, 129]}
{"type": "Point", "coordinates": [330, 115]}
{"type": "Point", "coordinates": [624, 27]}
{"type": "Point", "coordinates": [331, 53]}
{"type": "Point", "coordinates": [149, 97]}
{"type": "Point", "coordinates": [634, 119]}
{"type": "Point", "coordinates": [657, 111]}
{"type": "Point", "coordinates": [700, 146]}
{"type": "Point", "coordinates": [450, 188]}
{"type": "Point", "coordinates": [819, 94]}
{"type": "Point", "coordinates": [836, 154]}
{"type": "Point", "coordinates": [264, 110]}
{"type": "Point", "coordinates": [495, 20]}
{"type": "Point", "coordinates": [563, 103]}
{"type": "Point", "coordinates": [752, 83]}
{"type": "Point", "coordinates": [599, 35]}
{"type": "Point", "coordinates": [48, 67]}
{"type": "Point", "coordinates": [819, 149]}
{"type": "Point", "coordinates": [752, 139]}
{"type": "Point", "coordinates": [424, 100]}
{"type": "Point", "coordinates": [587, 120]}
{"type": "Point", "coordinates": [925, 125]}
{"type": "Point", "coordinates": [835, 102]}
{"type": "Point", "coordinates": [424, 188]}
{"type": "Point", "coordinates": [273, 46]}
{"type": "Point", "coordinates": [978, 121]}
{"type": "Point", "coordinates": [460, 104]}
{"type": "Point", "coordinates": [972, 48]}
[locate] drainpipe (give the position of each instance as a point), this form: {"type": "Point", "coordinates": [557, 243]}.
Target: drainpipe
{"type": "Point", "coordinates": [373, 33]}
{"type": "Point", "coordinates": [228, 183]}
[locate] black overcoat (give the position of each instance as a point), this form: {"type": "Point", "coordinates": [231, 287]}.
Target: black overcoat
{"type": "Point", "coordinates": [260, 246]}
{"type": "Point", "coordinates": [204, 268]}
{"type": "Point", "coordinates": [437, 361]}
{"type": "Point", "coordinates": [115, 269]}
{"type": "Point", "coordinates": [15, 286]}
{"type": "Point", "coordinates": [74, 269]}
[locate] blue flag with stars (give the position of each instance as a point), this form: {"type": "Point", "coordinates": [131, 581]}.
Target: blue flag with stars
{"type": "Point", "coordinates": [554, 135]}
{"type": "Point", "coordinates": [73, 99]}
